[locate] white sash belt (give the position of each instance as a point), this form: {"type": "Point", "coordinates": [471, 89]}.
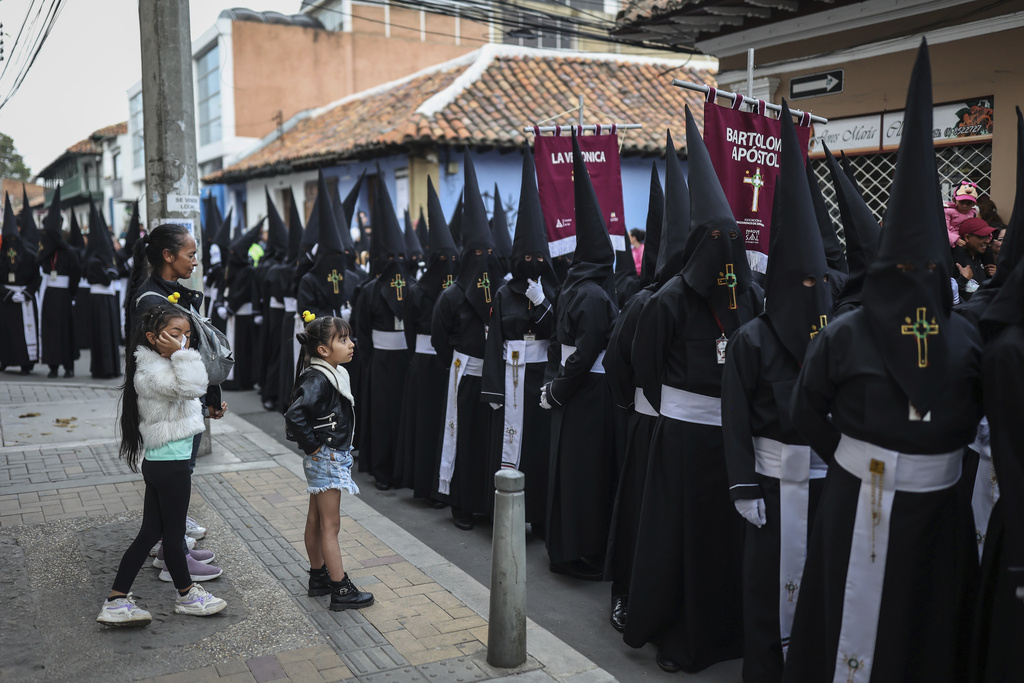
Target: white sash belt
{"type": "Point", "coordinates": [245, 309]}
{"type": "Point", "coordinates": [28, 320]}
{"type": "Point", "coordinates": [291, 304]}
{"type": "Point", "coordinates": [297, 326]}
{"type": "Point", "coordinates": [598, 366]}
{"type": "Point", "coordinates": [882, 473]}
{"type": "Point", "coordinates": [102, 289]}
{"type": "Point", "coordinates": [462, 365]}
{"type": "Point", "coordinates": [518, 354]}
{"type": "Point", "coordinates": [276, 303]}
{"type": "Point", "coordinates": [986, 488]}
{"type": "Point", "coordinates": [794, 467]}
{"type": "Point", "coordinates": [389, 341]}
{"type": "Point", "coordinates": [59, 282]}
{"type": "Point", "coordinates": [642, 405]}
{"type": "Point", "coordinates": [687, 406]}
{"type": "Point", "coordinates": [424, 346]}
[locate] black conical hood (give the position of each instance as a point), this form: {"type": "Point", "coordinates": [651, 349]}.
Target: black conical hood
{"type": "Point", "coordinates": [441, 241]}
{"type": "Point", "coordinates": [413, 250]}
{"type": "Point", "coordinates": [14, 248]}
{"type": "Point", "coordinates": [861, 229]}
{"type": "Point", "coordinates": [475, 229]}
{"type": "Point", "coordinates": [135, 230]}
{"type": "Point", "coordinates": [796, 312]}
{"type": "Point", "coordinates": [342, 218]}
{"type": "Point", "coordinates": [422, 233]}
{"type": "Point", "coordinates": [848, 170]}
{"type": "Point", "coordinates": [655, 218]}
{"type": "Point", "coordinates": [387, 233]}
{"type": "Point", "coordinates": [675, 224]}
{"type": "Point", "coordinates": [9, 234]}
{"type": "Point", "coordinates": [210, 227]}
{"type": "Point", "coordinates": [322, 220]}
{"type": "Point", "coordinates": [1012, 251]}
{"type": "Point", "coordinates": [348, 204]}
{"type": "Point", "coordinates": [455, 224]}
{"type": "Point", "coordinates": [52, 239]}
{"type": "Point", "coordinates": [499, 232]}
{"type": "Point", "coordinates": [295, 229]}
{"type": "Point", "coordinates": [223, 237]}
{"type": "Point", "coordinates": [100, 245]}
{"type": "Point", "coordinates": [714, 267]}
{"type": "Point", "coordinates": [907, 296]}
{"type": "Point", "coordinates": [75, 238]}
{"type": "Point", "coordinates": [277, 232]}
{"type": "Point", "coordinates": [592, 243]}
{"type": "Point", "coordinates": [833, 248]}
{"type": "Point", "coordinates": [30, 233]}
{"type": "Point", "coordinates": [531, 238]}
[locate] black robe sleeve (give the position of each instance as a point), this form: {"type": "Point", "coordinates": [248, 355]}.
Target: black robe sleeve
{"type": "Point", "coordinates": [241, 290]}
{"type": "Point", "coordinates": [655, 329]}
{"type": "Point", "coordinates": [443, 324]}
{"type": "Point", "coordinates": [739, 381]}
{"type": "Point", "coordinates": [618, 364]}
{"type": "Point", "coordinates": [812, 399]}
{"type": "Point", "coordinates": [592, 318]}
{"type": "Point", "coordinates": [493, 384]}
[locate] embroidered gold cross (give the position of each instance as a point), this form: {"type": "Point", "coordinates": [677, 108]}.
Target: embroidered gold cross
{"type": "Point", "coordinates": [12, 254]}
{"type": "Point", "coordinates": [757, 182]}
{"type": "Point", "coordinates": [484, 283]}
{"type": "Point", "coordinates": [515, 379]}
{"type": "Point", "coordinates": [398, 283]}
{"type": "Point", "coordinates": [815, 329]}
{"type": "Point", "coordinates": [921, 329]}
{"type": "Point", "coordinates": [511, 431]}
{"type": "Point", "coordinates": [791, 588]}
{"type": "Point", "coordinates": [334, 279]}
{"type": "Point", "coordinates": [447, 282]}
{"type": "Point", "coordinates": [729, 280]}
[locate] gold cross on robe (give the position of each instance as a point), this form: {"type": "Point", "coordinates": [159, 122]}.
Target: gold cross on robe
{"type": "Point", "coordinates": [447, 282]}
{"type": "Point", "coordinates": [398, 283]}
{"type": "Point", "coordinates": [334, 279]}
{"type": "Point", "coordinates": [921, 329]}
{"type": "Point", "coordinates": [729, 280]}
{"type": "Point", "coordinates": [815, 329]}
{"type": "Point", "coordinates": [484, 283]}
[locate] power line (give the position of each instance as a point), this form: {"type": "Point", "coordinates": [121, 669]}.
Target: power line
{"type": "Point", "coordinates": [34, 45]}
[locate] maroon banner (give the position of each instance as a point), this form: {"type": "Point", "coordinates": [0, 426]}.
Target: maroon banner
{"type": "Point", "coordinates": [553, 156]}
{"type": "Point", "coordinates": [744, 148]}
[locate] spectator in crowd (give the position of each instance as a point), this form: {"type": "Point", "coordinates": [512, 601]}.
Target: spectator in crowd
{"type": "Point", "coordinates": [963, 206]}
{"type": "Point", "coordinates": [987, 212]}
{"type": "Point", "coordinates": [977, 235]}
{"type": "Point", "coordinates": [636, 240]}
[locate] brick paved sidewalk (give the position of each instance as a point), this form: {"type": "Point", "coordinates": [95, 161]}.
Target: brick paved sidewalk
{"type": "Point", "coordinates": [68, 509]}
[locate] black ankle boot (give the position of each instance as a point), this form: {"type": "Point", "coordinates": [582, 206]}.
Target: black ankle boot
{"type": "Point", "coordinates": [319, 581]}
{"type": "Point", "coordinates": [344, 595]}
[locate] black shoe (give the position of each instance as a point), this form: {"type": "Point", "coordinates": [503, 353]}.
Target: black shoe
{"type": "Point", "coordinates": [319, 581]}
{"type": "Point", "coordinates": [577, 569]}
{"type": "Point", "coordinates": [52, 373]}
{"type": "Point", "coordinates": [668, 665]}
{"type": "Point", "coordinates": [69, 373]}
{"type": "Point", "coordinates": [381, 486]}
{"type": "Point", "coordinates": [25, 370]}
{"type": "Point", "coordinates": [618, 618]}
{"type": "Point", "coordinates": [464, 523]}
{"type": "Point", "coordinates": [436, 504]}
{"type": "Point", "coordinates": [344, 595]}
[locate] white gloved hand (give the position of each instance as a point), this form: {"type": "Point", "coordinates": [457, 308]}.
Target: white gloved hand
{"type": "Point", "coordinates": [18, 297]}
{"type": "Point", "coordinates": [544, 403]}
{"type": "Point", "coordinates": [346, 314]}
{"type": "Point", "coordinates": [752, 510]}
{"type": "Point", "coordinates": [534, 292]}
{"type": "Point", "coordinates": [494, 406]}
{"type": "Point", "coordinates": [257, 319]}
{"type": "Point", "coordinates": [222, 311]}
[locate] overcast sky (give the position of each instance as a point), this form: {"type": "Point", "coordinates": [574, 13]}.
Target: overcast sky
{"type": "Point", "coordinates": [80, 78]}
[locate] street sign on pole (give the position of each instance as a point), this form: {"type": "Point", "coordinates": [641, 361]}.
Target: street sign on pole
{"type": "Point", "coordinates": [815, 85]}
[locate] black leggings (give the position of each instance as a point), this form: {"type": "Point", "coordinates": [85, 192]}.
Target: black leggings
{"type": "Point", "coordinates": [168, 489]}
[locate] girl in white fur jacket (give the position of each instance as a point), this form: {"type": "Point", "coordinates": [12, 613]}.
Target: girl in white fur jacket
{"type": "Point", "coordinates": [160, 414]}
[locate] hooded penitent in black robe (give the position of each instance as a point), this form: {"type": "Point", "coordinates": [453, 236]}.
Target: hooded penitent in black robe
{"type": "Point", "coordinates": [62, 270]}
{"type": "Point", "coordinates": [273, 274]}
{"type": "Point", "coordinates": [379, 319]}
{"type": "Point", "coordinates": [457, 333]}
{"type": "Point", "coordinates": [81, 303]}
{"type": "Point", "coordinates": [888, 585]}
{"type": "Point", "coordinates": [104, 303]}
{"type": "Point", "coordinates": [19, 279]}
{"type": "Point", "coordinates": [125, 262]}
{"type": "Point", "coordinates": [500, 235]}
{"type": "Point", "coordinates": [771, 468]}
{"type": "Point", "coordinates": [241, 299]}
{"type": "Point", "coordinates": [213, 283]}
{"type": "Point", "coordinates": [685, 593]}
{"type": "Point", "coordinates": [838, 268]}
{"type": "Point", "coordinates": [581, 485]}
{"type": "Point", "coordinates": [284, 286]}
{"type": "Point", "coordinates": [422, 410]}
{"type": "Point", "coordinates": [516, 358]}
{"type": "Point", "coordinates": [666, 236]}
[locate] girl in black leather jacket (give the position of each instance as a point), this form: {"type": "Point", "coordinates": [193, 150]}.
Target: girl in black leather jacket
{"type": "Point", "coordinates": [321, 419]}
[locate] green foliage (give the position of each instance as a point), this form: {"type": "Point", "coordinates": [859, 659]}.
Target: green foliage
{"type": "Point", "coordinates": [11, 163]}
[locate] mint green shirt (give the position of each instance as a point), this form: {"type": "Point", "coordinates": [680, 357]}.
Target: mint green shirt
{"type": "Point", "coordinates": [172, 450]}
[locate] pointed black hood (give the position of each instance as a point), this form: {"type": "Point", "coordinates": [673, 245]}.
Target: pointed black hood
{"type": "Point", "coordinates": [239, 249]}
{"type": "Point", "coordinates": [594, 257]}
{"type": "Point", "coordinates": [531, 238]}
{"type": "Point", "coordinates": [328, 271]}
{"type": "Point", "coordinates": [393, 279]}
{"type": "Point", "coordinates": [277, 232]}
{"type": "Point", "coordinates": [295, 229]}
{"type": "Point", "coordinates": [15, 250]}
{"type": "Point", "coordinates": [675, 224]}
{"type": "Point", "coordinates": [499, 232]}
{"type": "Point", "coordinates": [342, 219]}
{"type": "Point", "coordinates": [222, 240]}
{"type": "Point", "coordinates": [322, 220]}
{"type": "Point", "coordinates": [210, 227]}
{"type": "Point", "coordinates": [441, 264]}
{"type": "Point", "coordinates": [455, 224]}
{"type": "Point", "coordinates": [715, 257]}
{"type": "Point", "coordinates": [413, 250]}
{"type": "Point", "coordinates": [848, 170]}
{"type": "Point", "coordinates": [478, 273]}
{"type": "Point", "coordinates": [655, 218]}
{"type": "Point", "coordinates": [829, 239]}
{"type": "Point", "coordinates": [861, 229]}
{"type": "Point", "coordinates": [75, 239]}
{"type": "Point", "coordinates": [52, 240]}
{"type": "Point", "coordinates": [101, 245]}
{"type": "Point", "coordinates": [348, 205]}
{"type": "Point", "coordinates": [796, 312]}
{"type": "Point", "coordinates": [134, 233]}
{"type": "Point", "coordinates": [30, 233]}
{"type": "Point", "coordinates": [907, 296]}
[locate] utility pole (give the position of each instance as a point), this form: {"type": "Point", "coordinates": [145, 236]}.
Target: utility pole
{"type": "Point", "coordinates": [168, 111]}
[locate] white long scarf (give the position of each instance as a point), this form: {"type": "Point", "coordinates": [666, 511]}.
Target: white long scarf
{"type": "Point", "coordinates": [337, 376]}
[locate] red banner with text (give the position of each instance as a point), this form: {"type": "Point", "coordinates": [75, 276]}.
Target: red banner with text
{"type": "Point", "coordinates": [555, 182]}
{"type": "Point", "coordinates": [745, 150]}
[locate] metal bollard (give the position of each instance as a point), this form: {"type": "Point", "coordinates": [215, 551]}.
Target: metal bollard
{"type": "Point", "coordinates": [506, 627]}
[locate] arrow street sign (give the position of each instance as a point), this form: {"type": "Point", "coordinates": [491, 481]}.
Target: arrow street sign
{"type": "Point", "coordinates": [813, 85]}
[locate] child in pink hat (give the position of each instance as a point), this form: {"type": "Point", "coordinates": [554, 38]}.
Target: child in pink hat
{"type": "Point", "coordinates": [963, 206]}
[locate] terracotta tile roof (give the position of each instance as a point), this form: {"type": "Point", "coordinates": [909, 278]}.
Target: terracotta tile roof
{"type": "Point", "coordinates": [9, 186]}
{"type": "Point", "coordinates": [484, 99]}
{"type": "Point", "coordinates": [111, 131]}
{"type": "Point", "coordinates": [86, 146]}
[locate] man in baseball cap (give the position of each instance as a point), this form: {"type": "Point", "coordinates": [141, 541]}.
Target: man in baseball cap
{"type": "Point", "coordinates": [977, 235]}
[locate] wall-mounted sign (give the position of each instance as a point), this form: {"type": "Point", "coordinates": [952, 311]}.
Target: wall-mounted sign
{"type": "Point", "coordinates": [816, 85]}
{"type": "Point", "coordinates": [968, 120]}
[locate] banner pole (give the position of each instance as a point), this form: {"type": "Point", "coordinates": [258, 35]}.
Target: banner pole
{"type": "Point", "coordinates": [588, 128]}
{"type": "Point", "coordinates": [581, 113]}
{"type": "Point", "coordinates": [750, 73]}
{"type": "Point", "coordinates": [700, 87]}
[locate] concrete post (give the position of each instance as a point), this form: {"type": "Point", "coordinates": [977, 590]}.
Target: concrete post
{"type": "Point", "coordinates": [169, 125]}
{"type": "Point", "coordinates": [506, 626]}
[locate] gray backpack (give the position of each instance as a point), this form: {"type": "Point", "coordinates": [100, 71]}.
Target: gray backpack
{"type": "Point", "coordinates": [212, 344]}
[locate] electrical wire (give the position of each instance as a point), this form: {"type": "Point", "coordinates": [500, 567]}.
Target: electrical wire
{"type": "Point", "coordinates": [34, 43]}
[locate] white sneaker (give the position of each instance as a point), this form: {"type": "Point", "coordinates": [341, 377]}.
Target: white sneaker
{"type": "Point", "coordinates": [193, 529]}
{"type": "Point", "coordinates": [198, 602]}
{"type": "Point", "coordinates": [123, 612]}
